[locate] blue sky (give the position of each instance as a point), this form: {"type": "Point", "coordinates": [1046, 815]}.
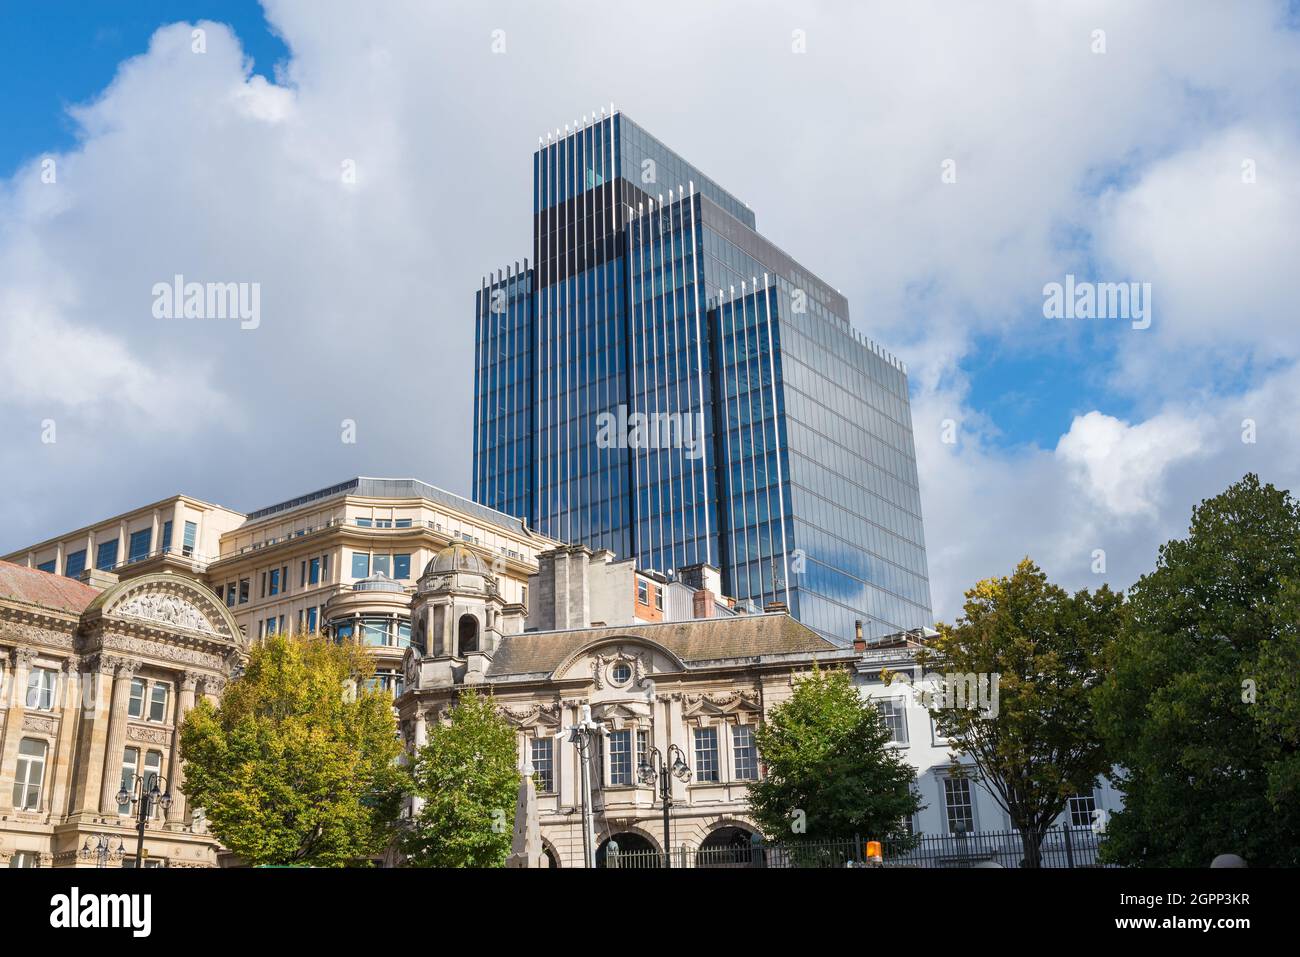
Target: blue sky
{"type": "Point", "coordinates": [1152, 143]}
{"type": "Point", "coordinates": [60, 52]}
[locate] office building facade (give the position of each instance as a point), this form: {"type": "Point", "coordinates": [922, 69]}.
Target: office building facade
{"type": "Point", "coordinates": [662, 381]}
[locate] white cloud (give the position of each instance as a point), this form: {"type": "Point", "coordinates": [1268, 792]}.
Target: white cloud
{"type": "Point", "coordinates": [187, 164]}
{"type": "Point", "coordinates": [1121, 466]}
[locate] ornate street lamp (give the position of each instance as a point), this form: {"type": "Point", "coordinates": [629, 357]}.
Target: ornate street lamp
{"type": "Point", "coordinates": [654, 767]}
{"type": "Point", "coordinates": [103, 850]}
{"type": "Point", "coordinates": [146, 797]}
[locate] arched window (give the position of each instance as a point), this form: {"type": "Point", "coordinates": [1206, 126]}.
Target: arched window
{"type": "Point", "coordinates": [468, 634]}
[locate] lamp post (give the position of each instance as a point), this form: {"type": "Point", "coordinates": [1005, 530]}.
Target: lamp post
{"type": "Point", "coordinates": [103, 850]}
{"type": "Point", "coordinates": [654, 766]}
{"type": "Point", "coordinates": [582, 734]}
{"type": "Point", "coordinates": [146, 798]}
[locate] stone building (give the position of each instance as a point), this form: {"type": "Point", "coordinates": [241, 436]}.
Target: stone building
{"type": "Point", "coordinates": [96, 676]}
{"type": "Point", "coordinates": [696, 687]}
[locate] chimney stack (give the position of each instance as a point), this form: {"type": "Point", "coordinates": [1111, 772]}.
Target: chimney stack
{"type": "Point", "coordinates": [859, 643]}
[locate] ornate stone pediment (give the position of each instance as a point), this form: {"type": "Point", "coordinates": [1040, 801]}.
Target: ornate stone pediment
{"type": "Point", "coordinates": [168, 609]}
{"type": "Point", "coordinates": [169, 603]}
{"type": "Point", "coordinates": [720, 704]}
{"type": "Point", "coordinates": [533, 716]}
{"type": "Point", "coordinates": [615, 714]}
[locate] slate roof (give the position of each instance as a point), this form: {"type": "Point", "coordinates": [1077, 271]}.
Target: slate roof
{"type": "Point", "coordinates": [708, 639]}
{"type": "Point", "coordinates": [19, 583]}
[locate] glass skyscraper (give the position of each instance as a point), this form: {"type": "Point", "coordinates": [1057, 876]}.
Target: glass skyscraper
{"type": "Point", "coordinates": [664, 382]}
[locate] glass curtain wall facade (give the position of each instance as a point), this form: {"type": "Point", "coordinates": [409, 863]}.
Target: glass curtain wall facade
{"type": "Point", "coordinates": [666, 383]}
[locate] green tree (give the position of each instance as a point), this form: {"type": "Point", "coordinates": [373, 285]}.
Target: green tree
{"type": "Point", "coordinates": [467, 778]}
{"type": "Point", "coordinates": [1036, 743]}
{"type": "Point", "coordinates": [831, 772]}
{"type": "Point", "coordinates": [1200, 703]}
{"type": "Point", "coordinates": [298, 764]}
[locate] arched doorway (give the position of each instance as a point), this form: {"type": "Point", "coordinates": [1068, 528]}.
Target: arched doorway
{"type": "Point", "coordinates": [468, 630]}
{"type": "Point", "coordinates": [634, 850]}
{"type": "Point", "coordinates": [730, 846]}
{"type": "Point", "coordinates": [549, 857]}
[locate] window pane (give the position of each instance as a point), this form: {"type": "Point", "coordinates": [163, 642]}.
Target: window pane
{"type": "Point", "coordinates": [620, 758]}
{"type": "Point", "coordinates": [543, 766]}
{"type": "Point", "coordinates": [158, 703]}
{"type": "Point", "coordinates": [135, 705]}
{"type": "Point", "coordinates": [139, 546]}
{"type": "Point", "coordinates": [742, 738]}
{"type": "Point", "coordinates": [360, 564]}
{"type": "Point", "coordinates": [706, 754]}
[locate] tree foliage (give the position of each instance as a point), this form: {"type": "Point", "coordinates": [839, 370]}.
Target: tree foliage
{"type": "Point", "coordinates": [298, 764]}
{"type": "Point", "coordinates": [1038, 744]}
{"type": "Point", "coordinates": [1202, 700]}
{"type": "Point", "coordinates": [831, 772]}
{"type": "Point", "coordinates": [467, 779]}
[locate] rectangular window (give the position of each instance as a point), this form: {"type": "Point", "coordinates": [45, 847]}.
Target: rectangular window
{"type": "Point", "coordinates": [75, 564]}
{"type": "Point", "coordinates": [243, 591]}
{"type": "Point", "coordinates": [382, 566]}
{"type": "Point", "coordinates": [139, 545]}
{"type": "Point", "coordinates": [746, 755]}
{"type": "Point", "coordinates": [659, 599]}
{"type": "Point", "coordinates": [543, 757]}
{"type": "Point", "coordinates": [401, 567]}
{"type": "Point", "coordinates": [620, 758]}
{"type": "Point", "coordinates": [402, 523]}
{"type": "Point", "coordinates": [642, 593]}
{"type": "Point", "coordinates": [1083, 809]}
{"type": "Point", "coordinates": [641, 747]}
{"type": "Point", "coordinates": [360, 564]}
{"type": "Point", "coordinates": [230, 595]}
{"type": "Point", "coordinates": [706, 754]}
{"type": "Point", "coordinates": [383, 523]}
{"type": "Point", "coordinates": [106, 555]}
{"type": "Point", "coordinates": [167, 537]}
{"type": "Point", "coordinates": [49, 566]}
{"type": "Point", "coordinates": [374, 631]}
{"type": "Point", "coordinates": [191, 537]}
{"type": "Point", "coordinates": [23, 859]}
{"type": "Point", "coordinates": [311, 619]}
{"type": "Point", "coordinates": [158, 701]}
{"type": "Point", "coordinates": [365, 523]}
{"type": "Point", "coordinates": [324, 568]}
{"type": "Point", "coordinates": [313, 572]}
{"type": "Point", "coordinates": [957, 804]}
{"type": "Point", "coordinates": [894, 713]}
{"type": "Point", "coordinates": [270, 627]}
{"type": "Point", "coordinates": [29, 775]}
{"type": "Point", "coordinates": [262, 594]}
{"type": "Point", "coordinates": [275, 581]}
{"type": "Point", "coordinates": [135, 704]}
{"type": "Point", "coordinates": [302, 575]}
{"type": "Point", "coordinates": [130, 767]}
{"type": "Point", "coordinates": [152, 768]}
{"type": "Point", "coordinates": [40, 689]}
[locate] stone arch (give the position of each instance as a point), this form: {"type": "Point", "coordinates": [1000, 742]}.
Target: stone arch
{"type": "Point", "coordinates": [730, 844]}
{"type": "Point", "coordinates": [550, 856]}
{"type": "Point", "coordinates": [171, 602]}
{"type": "Point", "coordinates": [467, 633]}
{"type": "Point", "coordinates": [631, 840]}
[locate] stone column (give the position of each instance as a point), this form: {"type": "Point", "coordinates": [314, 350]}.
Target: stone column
{"type": "Point", "coordinates": [176, 777]}
{"type": "Point", "coordinates": [112, 778]}
{"type": "Point", "coordinates": [212, 688]}
{"type": "Point", "coordinates": [22, 658]}
{"type": "Point", "coordinates": [421, 729]}
{"type": "Point", "coordinates": [61, 767]}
